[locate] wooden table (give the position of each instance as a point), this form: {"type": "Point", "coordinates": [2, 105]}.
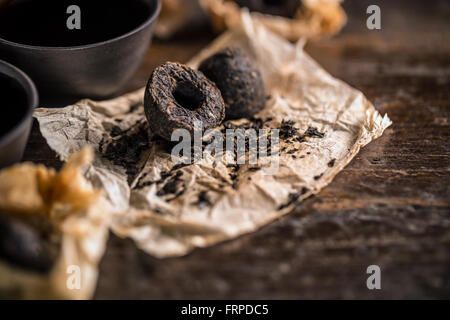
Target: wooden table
{"type": "Point", "coordinates": [390, 207]}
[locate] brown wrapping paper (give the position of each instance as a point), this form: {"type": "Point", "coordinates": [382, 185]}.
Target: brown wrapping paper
{"type": "Point", "coordinates": [72, 211]}
{"type": "Point", "coordinates": [168, 225]}
{"type": "Point", "coordinates": [314, 18]}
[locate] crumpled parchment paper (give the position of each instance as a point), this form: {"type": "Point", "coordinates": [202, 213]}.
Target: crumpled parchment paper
{"type": "Point", "coordinates": [64, 206]}
{"type": "Point", "coordinates": [314, 18]}
{"type": "Point", "coordinates": [209, 204]}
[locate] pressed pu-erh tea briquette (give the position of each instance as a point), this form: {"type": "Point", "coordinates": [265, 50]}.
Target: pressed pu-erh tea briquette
{"type": "Point", "coordinates": [177, 97]}
{"type": "Point", "coordinates": [239, 81]}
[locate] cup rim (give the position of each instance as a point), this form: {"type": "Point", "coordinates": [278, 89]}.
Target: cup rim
{"type": "Point", "coordinates": [32, 94]}
{"type": "Point", "coordinates": [152, 17]}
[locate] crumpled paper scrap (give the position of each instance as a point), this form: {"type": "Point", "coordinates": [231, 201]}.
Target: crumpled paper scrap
{"type": "Point", "coordinates": [73, 214]}
{"type": "Point", "coordinates": [314, 18]}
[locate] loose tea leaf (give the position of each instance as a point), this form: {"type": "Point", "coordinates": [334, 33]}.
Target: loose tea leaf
{"type": "Point", "coordinates": [127, 146]}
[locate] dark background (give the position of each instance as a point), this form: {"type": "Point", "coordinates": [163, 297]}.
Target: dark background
{"type": "Point", "coordinates": [389, 207]}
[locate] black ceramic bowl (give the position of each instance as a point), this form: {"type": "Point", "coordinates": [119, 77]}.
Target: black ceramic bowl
{"type": "Point", "coordinates": [18, 98]}
{"type": "Point", "coordinates": [94, 61]}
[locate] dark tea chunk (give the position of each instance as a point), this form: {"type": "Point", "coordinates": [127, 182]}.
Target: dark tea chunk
{"type": "Point", "coordinates": [240, 83]}
{"type": "Point", "coordinates": [203, 200]}
{"type": "Point", "coordinates": [284, 8]}
{"type": "Point", "coordinates": [287, 129]}
{"type": "Point", "coordinates": [177, 97]}
{"type": "Point", "coordinates": [314, 133]}
{"type": "Point", "coordinates": [22, 246]}
{"type": "Point", "coordinates": [331, 163]}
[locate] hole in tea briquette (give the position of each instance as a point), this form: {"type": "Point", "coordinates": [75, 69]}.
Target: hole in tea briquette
{"type": "Point", "coordinates": [188, 96]}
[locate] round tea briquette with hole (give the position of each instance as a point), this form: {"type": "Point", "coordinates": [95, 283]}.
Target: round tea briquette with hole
{"type": "Point", "coordinates": [176, 97]}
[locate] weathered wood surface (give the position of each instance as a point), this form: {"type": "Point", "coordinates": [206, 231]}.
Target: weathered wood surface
{"type": "Point", "coordinates": [389, 207]}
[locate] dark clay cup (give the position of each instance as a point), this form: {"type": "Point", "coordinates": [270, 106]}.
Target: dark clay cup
{"type": "Point", "coordinates": [18, 98]}
{"type": "Point", "coordinates": [94, 61]}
